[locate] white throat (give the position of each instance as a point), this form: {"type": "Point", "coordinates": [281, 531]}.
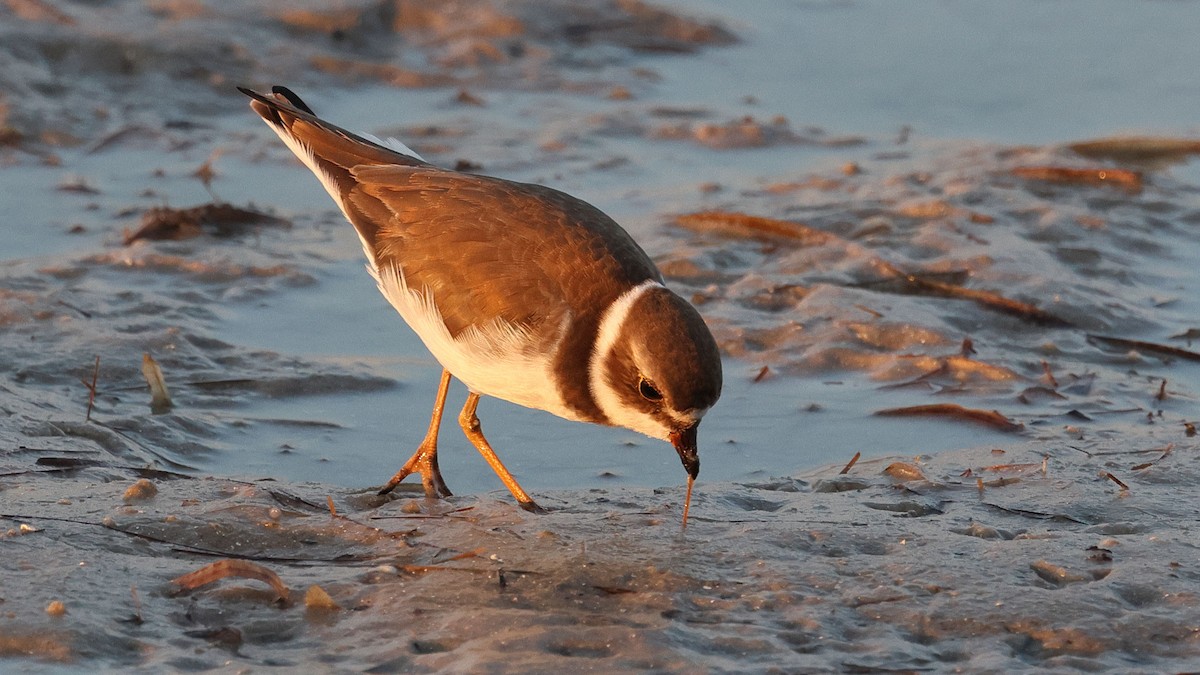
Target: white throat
{"type": "Point", "coordinates": [611, 324]}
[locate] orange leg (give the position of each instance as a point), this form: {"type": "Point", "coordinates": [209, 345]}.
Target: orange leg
{"type": "Point", "coordinates": [424, 460]}
{"type": "Point", "coordinates": [471, 427]}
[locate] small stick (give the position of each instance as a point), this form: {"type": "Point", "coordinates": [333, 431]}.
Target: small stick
{"type": "Point", "coordinates": [477, 553]}
{"type": "Point", "coordinates": [137, 605]}
{"type": "Point", "coordinates": [1118, 481]}
{"type": "Point", "coordinates": [160, 399]}
{"type": "Point", "coordinates": [1162, 391]}
{"type": "Point", "coordinates": [232, 568]}
{"type": "Point", "coordinates": [687, 500]}
{"type": "Point", "coordinates": [332, 508]}
{"type": "Point", "coordinates": [91, 389]}
{"type": "Point", "coordinates": [868, 310]}
{"type": "Point", "coordinates": [1146, 465]}
{"type": "Point", "coordinates": [853, 460]}
{"type": "Point", "coordinates": [1049, 376]}
{"type": "Point", "coordinates": [968, 348]}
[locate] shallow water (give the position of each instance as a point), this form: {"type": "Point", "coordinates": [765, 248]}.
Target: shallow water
{"type": "Point", "coordinates": [904, 146]}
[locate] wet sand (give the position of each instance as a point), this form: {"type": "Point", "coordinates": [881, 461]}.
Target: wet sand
{"type": "Point", "coordinates": [1004, 331]}
{"type": "Point", "coordinates": [896, 566]}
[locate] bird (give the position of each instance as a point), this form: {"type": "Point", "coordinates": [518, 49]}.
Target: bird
{"type": "Point", "coordinates": [520, 291]}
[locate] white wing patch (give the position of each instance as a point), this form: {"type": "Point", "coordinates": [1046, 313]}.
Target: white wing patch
{"type": "Point", "coordinates": [393, 144]}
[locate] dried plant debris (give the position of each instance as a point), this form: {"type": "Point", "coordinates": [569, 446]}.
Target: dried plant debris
{"type": "Point", "coordinates": [1065, 175]}
{"type": "Point", "coordinates": [904, 471]}
{"type": "Point", "coordinates": [905, 283]}
{"type": "Point", "coordinates": [232, 567]}
{"type": "Point", "coordinates": [745, 226]}
{"type": "Point", "coordinates": [1057, 574]}
{"type": "Point", "coordinates": [1120, 483]}
{"type": "Point", "coordinates": [1138, 148]}
{"type": "Point", "coordinates": [1160, 350]}
{"type": "Point", "coordinates": [318, 599]}
{"type": "Point", "coordinates": [641, 26]}
{"type": "Point", "coordinates": [747, 132]}
{"type": "Point", "coordinates": [1166, 452]}
{"type": "Point", "coordinates": [39, 11]}
{"type": "Point", "coordinates": [91, 387]}
{"type": "Point", "coordinates": [387, 73]}
{"type": "Point", "coordinates": [160, 398]}
{"type": "Point", "coordinates": [955, 411]}
{"type": "Point", "coordinates": [78, 185]}
{"type": "Point", "coordinates": [217, 219]}
{"type": "Point", "coordinates": [850, 465]}
{"type": "Point", "coordinates": [896, 280]}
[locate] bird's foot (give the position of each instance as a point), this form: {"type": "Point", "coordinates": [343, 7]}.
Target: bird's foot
{"type": "Point", "coordinates": [424, 462]}
{"type": "Point", "coordinates": [532, 507]}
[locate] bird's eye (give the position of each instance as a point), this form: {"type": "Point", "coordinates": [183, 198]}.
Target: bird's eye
{"type": "Point", "coordinates": [648, 390]}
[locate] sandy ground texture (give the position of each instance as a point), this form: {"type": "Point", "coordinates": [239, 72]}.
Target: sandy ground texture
{"type": "Point", "coordinates": [977, 561]}
{"type": "Point", "coordinates": [1006, 333]}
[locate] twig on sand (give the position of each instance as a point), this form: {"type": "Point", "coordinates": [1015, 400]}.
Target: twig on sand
{"type": "Point", "coordinates": [853, 460]}
{"type": "Point", "coordinates": [1066, 175]}
{"type": "Point", "coordinates": [1138, 148]}
{"type": "Point", "coordinates": [91, 389]}
{"type": "Point", "coordinates": [1037, 515]}
{"type": "Point", "coordinates": [1118, 481]}
{"type": "Point", "coordinates": [232, 568]}
{"type": "Point", "coordinates": [160, 399]}
{"type": "Point", "coordinates": [136, 619]}
{"type": "Point", "coordinates": [991, 418]}
{"type": "Point", "coordinates": [900, 282]}
{"type": "Point", "coordinates": [1146, 465]}
{"type": "Point", "coordinates": [1143, 346]}
{"type": "Point", "coordinates": [745, 226]}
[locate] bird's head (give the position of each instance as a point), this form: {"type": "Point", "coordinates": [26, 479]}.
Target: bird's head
{"type": "Point", "coordinates": [656, 369]}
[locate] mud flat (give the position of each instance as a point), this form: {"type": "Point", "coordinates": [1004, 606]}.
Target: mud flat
{"type": "Point", "coordinates": [987, 346]}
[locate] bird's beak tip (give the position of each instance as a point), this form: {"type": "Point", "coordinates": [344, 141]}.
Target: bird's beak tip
{"type": "Point", "coordinates": [684, 441]}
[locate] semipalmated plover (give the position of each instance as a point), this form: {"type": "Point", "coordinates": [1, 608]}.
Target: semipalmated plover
{"type": "Point", "coordinates": [520, 291]}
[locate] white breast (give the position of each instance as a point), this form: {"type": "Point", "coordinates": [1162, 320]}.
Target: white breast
{"type": "Point", "coordinates": [493, 359]}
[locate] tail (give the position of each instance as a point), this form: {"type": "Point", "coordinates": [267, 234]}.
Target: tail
{"type": "Point", "coordinates": [329, 151]}
{"type": "Point", "coordinates": [282, 109]}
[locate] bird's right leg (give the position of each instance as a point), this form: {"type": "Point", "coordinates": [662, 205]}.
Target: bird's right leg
{"type": "Point", "coordinates": [424, 460]}
{"type": "Point", "coordinates": [469, 422]}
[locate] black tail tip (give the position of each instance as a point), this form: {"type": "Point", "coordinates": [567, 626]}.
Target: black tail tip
{"type": "Point", "coordinates": [279, 92]}
{"type": "Point", "coordinates": [291, 97]}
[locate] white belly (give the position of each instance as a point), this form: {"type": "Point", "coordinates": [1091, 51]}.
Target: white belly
{"type": "Point", "coordinates": [495, 359]}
